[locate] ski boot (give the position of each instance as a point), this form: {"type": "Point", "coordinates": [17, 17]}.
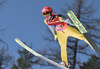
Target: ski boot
{"type": "Point", "coordinates": [64, 64]}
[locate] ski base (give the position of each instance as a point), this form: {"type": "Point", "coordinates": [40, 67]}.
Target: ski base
{"type": "Point", "coordinates": [91, 41]}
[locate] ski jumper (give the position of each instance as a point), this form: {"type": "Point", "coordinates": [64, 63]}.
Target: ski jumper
{"type": "Point", "coordinates": [63, 30]}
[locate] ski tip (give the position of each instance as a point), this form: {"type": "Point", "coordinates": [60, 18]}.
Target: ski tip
{"type": "Point", "coordinates": [16, 39]}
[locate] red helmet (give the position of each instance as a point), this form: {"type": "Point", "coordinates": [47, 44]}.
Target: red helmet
{"type": "Point", "coordinates": [47, 9]}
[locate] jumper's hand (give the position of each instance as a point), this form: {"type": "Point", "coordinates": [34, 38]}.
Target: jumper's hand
{"type": "Point", "coordinates": [55, 37]}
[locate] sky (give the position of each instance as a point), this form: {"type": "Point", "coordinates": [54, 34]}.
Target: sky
{"type": "Point", "coordinates": [25, 21]}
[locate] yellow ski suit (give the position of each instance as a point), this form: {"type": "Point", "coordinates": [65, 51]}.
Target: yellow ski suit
{"type": "Point", "coordinates": [63, 35]}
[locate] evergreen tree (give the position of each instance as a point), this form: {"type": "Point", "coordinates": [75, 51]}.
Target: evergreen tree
{"type": "Point", "coordinates": [92, 63]}
{"type": "Point", "coordinates": [25, 61]}
{"type": "Point", "coordinates": [5, 58]}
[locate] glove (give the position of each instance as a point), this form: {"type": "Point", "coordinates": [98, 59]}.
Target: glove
{"type": "Point", "coordinates": [55, 37]}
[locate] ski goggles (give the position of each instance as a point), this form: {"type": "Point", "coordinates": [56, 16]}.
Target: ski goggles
{"type": "Point", "coordinates": [46, 14]}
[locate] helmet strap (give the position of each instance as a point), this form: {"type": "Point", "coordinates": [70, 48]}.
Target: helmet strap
{"type": "Point", "coordinates": [51, 18]}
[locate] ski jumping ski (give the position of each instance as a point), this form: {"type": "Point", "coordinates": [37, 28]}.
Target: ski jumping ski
{"type": "Point", "coordinates": [83, 31]}
{"type": "Point", "coordinates": [38, 55]}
